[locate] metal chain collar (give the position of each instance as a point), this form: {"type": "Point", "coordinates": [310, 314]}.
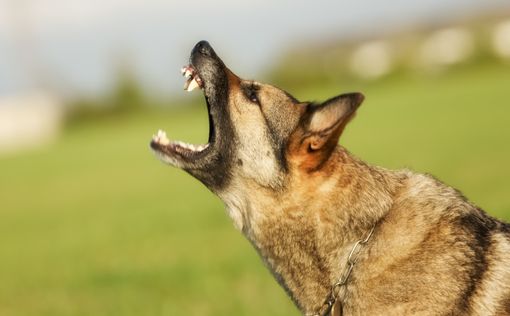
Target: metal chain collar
{"type": "Point", "coordinates": [351, 261]}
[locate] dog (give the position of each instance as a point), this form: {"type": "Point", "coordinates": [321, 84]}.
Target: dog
{"type": "Point", "coordinates": [340, 236]}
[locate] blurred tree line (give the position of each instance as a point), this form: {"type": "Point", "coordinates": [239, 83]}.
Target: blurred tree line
{"type": "Point", "coordinates": [126, 97]}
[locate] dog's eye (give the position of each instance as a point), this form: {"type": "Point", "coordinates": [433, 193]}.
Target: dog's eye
{"type": "Point", "coordinates": [253, 97]}
{"type": "Point", "coordinates": [251, 93]}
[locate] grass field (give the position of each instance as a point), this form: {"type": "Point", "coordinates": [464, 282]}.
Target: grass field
{"type": "Point", "coordinates": [95, 225]}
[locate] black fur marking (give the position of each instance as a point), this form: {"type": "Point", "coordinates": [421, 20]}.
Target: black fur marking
{"type": "Point", "coordinates": [215, 169]}
{"type": "Point", "coordinates": [477, 228]}
{"type": "Point", "coordinates": [506, 306]}
{"type": "Point", "coordinates": [505, 229]}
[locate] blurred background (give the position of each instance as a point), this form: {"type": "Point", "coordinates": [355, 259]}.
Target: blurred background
{"type": "Point", "coordinates": [92, 224]}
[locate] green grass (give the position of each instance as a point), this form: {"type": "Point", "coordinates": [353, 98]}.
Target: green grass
{"type": "Point", "coordinates": [95, 225]}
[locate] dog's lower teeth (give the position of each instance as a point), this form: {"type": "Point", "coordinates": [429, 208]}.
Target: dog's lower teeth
{"type": "Point", "coordinates": [161, 133]}
{"type": "Point", "coordinates": [191, 147]}
{"type": "Point", "coordinates": [161, 138]}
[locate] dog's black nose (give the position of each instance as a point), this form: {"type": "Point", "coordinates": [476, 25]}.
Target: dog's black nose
{"type": "Point", "coordinates": [204, 48]}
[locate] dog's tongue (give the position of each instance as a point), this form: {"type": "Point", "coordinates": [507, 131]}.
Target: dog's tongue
{"type": "Point", "coordinates": [192, 79]}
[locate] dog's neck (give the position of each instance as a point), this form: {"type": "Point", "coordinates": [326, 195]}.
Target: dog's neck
{"type": "Point", "coordinates": [305, 231]}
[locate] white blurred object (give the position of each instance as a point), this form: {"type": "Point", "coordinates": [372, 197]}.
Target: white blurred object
{"type": "Point", "coordinates": [372, 60]}
{"type": "Point", "coordinates": [447, 47]}
{"type": "Point", "coordinates": [29, 121]}
{"type": "Point", "coordinates": [501, 39]}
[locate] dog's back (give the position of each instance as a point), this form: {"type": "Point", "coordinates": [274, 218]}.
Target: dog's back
{"type": "Point", "coordinates": [435, 254]}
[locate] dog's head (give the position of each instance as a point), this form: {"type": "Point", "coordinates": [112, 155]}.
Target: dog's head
{"type": "Point", "coordinates": [258, 133]}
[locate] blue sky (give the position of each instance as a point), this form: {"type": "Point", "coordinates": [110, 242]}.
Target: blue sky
{"type": "Point", "coordinates": [76, 45]}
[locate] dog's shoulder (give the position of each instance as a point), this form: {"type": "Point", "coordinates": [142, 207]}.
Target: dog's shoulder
{"type": "Point", "coordinates": [443, 231]}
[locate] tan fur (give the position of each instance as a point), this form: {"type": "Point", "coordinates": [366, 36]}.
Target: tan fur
{"type": "Point", "coordinates": [305, 232]}
{"type": "Point", "coordinates": [305, 228]}
{"type": "Point", "coordinates": [303, 201]}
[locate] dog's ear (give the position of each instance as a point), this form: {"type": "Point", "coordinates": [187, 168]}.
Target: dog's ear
{"type": "Point", "coordinates": [321, 126]}
{"type": "Point", "coordinates": [328, 120]}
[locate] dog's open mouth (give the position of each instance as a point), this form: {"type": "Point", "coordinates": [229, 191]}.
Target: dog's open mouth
{"type": "Point", "coordinates": [179, 149]}
{"type": "Point", "coordinates": [206, 162]}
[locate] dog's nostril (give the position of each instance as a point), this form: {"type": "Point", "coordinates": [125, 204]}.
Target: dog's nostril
{"type": "Point", "coordinates": [204, 48]}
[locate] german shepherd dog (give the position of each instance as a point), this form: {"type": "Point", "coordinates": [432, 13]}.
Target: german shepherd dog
{"type": "Point", "coordinates": [339, 235]}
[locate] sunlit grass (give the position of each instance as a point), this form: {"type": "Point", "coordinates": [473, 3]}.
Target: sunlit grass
{"type": "Point", "coordinates": [95, 225]}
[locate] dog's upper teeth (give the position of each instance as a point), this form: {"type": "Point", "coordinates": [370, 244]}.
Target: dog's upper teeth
{"type": "Point", "coordinates": [191, 85]}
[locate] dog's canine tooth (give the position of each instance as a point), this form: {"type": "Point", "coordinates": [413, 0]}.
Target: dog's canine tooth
{"type": "Point", "coordinates": [193, 84]}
